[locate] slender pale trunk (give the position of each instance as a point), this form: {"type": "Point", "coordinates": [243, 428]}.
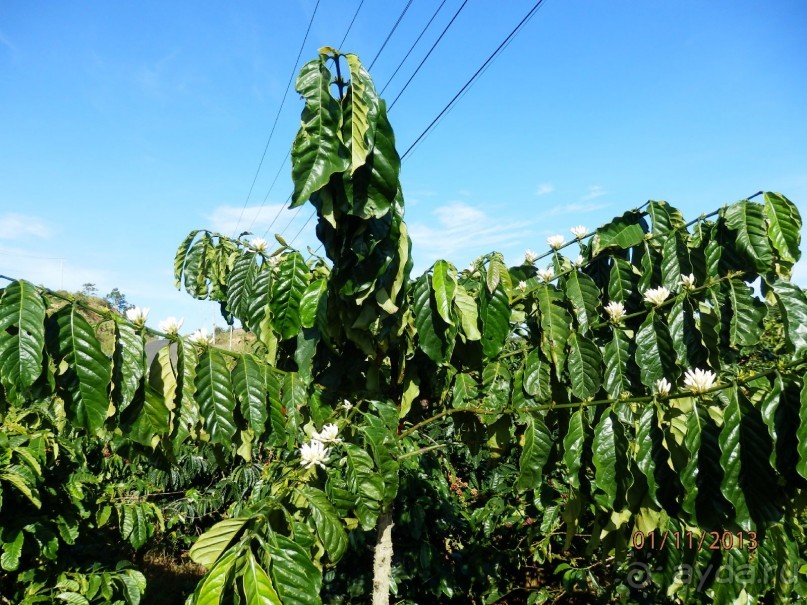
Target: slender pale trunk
{"type": "Point", "coordinates": [382, 562]}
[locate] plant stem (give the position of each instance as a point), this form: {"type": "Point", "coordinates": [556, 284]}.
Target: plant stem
{"type": "Point", "coordinates": [382, 560]}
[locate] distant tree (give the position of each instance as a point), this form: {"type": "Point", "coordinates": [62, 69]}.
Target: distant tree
{"type": "Point", "coordinates": [118, 301]}
{"type": "Point", "coordinates": [89, 289]}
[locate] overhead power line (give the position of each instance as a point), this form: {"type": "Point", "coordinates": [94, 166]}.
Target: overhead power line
{"type": "Point", "coordinates": [277, 116]}
{"type": "Point", "coordinates": [349, 27]}
{"type": "Point", "coordinates": [471, 80]}
{"type": "Point", "coordinates": [389, 35]}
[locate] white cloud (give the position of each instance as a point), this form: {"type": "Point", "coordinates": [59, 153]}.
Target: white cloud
{"type": "Point", "coordinates": [256, 219]}
{"type": "Point", "coordinates": [16, 226]}
{"type": "Point", "coordinates": [462, 229]}
{"type": "Point", "coordinates": [594, 191]}
{"type": "Point", "coordinates": [573, 208]}
{"type": "Point", "coordinates": [544, 189]}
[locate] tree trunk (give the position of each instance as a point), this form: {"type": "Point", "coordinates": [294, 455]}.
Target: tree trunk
{"type": "Point", "coordinates": [382, 562]}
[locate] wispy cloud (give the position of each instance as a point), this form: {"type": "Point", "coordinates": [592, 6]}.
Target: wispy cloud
{"type": "Point", "coordinates": [461, 228]}
{"type": "Point", "coordinates": [594, 191]}
{"type": "Point", "coordinates": [17, 226]}
{"type": "Point", "coordinates": [573, 208]}
{"type": "Point", "coordinates": [544, 189]}
{"type": "Point", "coordinates": [256, 219]}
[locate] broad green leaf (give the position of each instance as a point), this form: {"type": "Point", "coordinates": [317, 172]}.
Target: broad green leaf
{"type": "Point", "coordinates": [534, 455]}
{"type": "Point", "coordinates": [211, 544]}
{"type": "Point", "coordinates": [22, 478]}
{"type": "Point", "coordinates": [194, 271]}
{"type": "Point", "coordinates": [465, 390]}
{"type": "Point", "coordinates": [622, 232]}
{"type": "Point", "coordinates": [72, 598]}
{"type": "Point", "coordinates": [784, 226]}
{"type": "Point", "coordinates": [555, 326]}
{"type": "Point", "coordinates": [287, 291]}
{"type": "Point", "coordinates": [747, 220]}
{"type": "Point", "coordinates": [381, 437]}
{"type": "Point", "coordinates": [584, 296]}
{"type": "Point", "coordinates": [468, 313]}
{"type": "Point", "coordinates": [494, 311]}
{"type": "Point", "coordinates": [240, 282]}
{"type": "Point", "coordinates": [623, 283]}
{"type": "Point", "coordinates": [129, 362]}
{"type": "Point", "coordinates": [258, 587]}
{"type": "Point", "coordinates": [312, 298]}
{"type": "Point", "coordinates": [215, 397]}
{"type": "Point", "coordinates": [83, 385]}
{"type": "Point", "coordinates": [214, 585]}
{"type": "Point", "coordinates": [135, 526]}
{"type": "Point", "coordinates": [702, 474]}
{"type": "Point", "coordinates": [793, 306]}
{"type": "Point", "coordinates": [444, 283]}
{"type": "Point", "coordinates": [22, 337]}
{"type": "Point", "coordinates": [675, 260]}
{"type": "Point", "coordinates": [363, 481]}
{"type": "Point", "coordinates": [731, 461]}
{"type": "Point", "coordinates": [747, 313]}
{"type": "Point", "coordinates": [277, 416]}
{"type": "Point", "coordinates": [768, 408]}
{"type": "Point", "coordinates": [12, 548]}
{"type": "Point", "coordinates": [664, 218]}
{"type": "Point", "coordinates": [147, 421]}
{"type": "Point", "coordinates": [181, 256]}
{"type": "Point", "coordinates": [330, 530]}
{"type": "Point", "coordinates": [496, 274]}
{"type": "Point", "coordinates": [536, 376]}
{"type": "Point", "coordinates": [426, 322]}
{"type": "Point", "coordinates": [801, 467]}
{"type": "Point", "coordinates": [686, 337]}
{"type": "Point", "coordinates": [363, 110]}
{"type": "Point", "coordinates": [249, 385]}
{"type": "Point", "coordinates": [295, 577]}
{"type": "Point", "coordinates": [496, 381]}
{"type": "Point", "coordinates": [609, 454]}
{"type": "Point", "coordinates": [655, 355]}
{"type": "Point", "coordinates": [257, 304]}
{"type": "Point", "coordinates": [617, 358]}
{"type": "Point", "coordinates": [188, 414]}
{"type": "Point", "coordinates": [318, 151]}
{"type": "Point", "coordinates": [652, 457]}
{"type": "Point", "coordinates": [584, 366]}
{"type": "Point", "coordinates": [573, 444]}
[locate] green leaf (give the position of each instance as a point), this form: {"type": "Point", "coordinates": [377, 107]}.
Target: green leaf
{"type": "Point", "coordinates": [287, 291]}
{"type": "Point", "coordinates": [573, 444]}
{"type": "Point", "coordinates": [748, 221]}
{"type": "Point", "coordinates": [249, 385]}
{"type": "Point", "coordinates": [617, 359]}
{"type": "Point", "coordinates": [584, 366]}
{"type": "Point", "coordinates": [188, 414]}
{"type": "Point", "coordinates": [464, 391]}
{"type": "Point", "coordinates": [496, 274]}
{"type": "Point", "coordinates": [22, 337]}
{"type": "Point", "coordinates": [468, 313]}
{"type": "Point", "coordinates": [584, 296]}
{"type": "Point", "coordinates": [496, 381]}
{"type": "Point", "coordinates": [536, 376]}
{"type": "Point", "coordinates": [534, 455]}
{"type": "Point", "coordinates": [211, 544]}
{"type": "Point", "coordinates": [555, 326]}
{"type": "Point", "coordinates": [214, 585]}
{"type": "Point", "coordinates": [215, 397]}
{"type": "Point", "coordinates": [652, 457]}
{"type": "Point", "coordinates": [240, 282]}
{"type": "Point", "coordinates": [444, 283]}
{"type": "Point", "coordinates": [363, 109]}
{"type": "Point", "coordinates": [609, 454]}
{"type": "Point", "coordinates": [195, 276]}
{"type": "Point", "coordinates": [147, 422]}
{"type": "Point", "coordinates": [426, 324]}
{"type": "Point", "coordinates": [801, 467]}
{"type": "Point", "coordinates": [72, 598]}
{"type": "Point", "coordinates": [731, 462]}
{"type": "Point", "coordinates": [675, 260]}
{"type": "Point", "coordinates": [181, 257]}
{"type": "Point", "coordinates": [318, 151]}
{"type": "Point", "coordinates": [655, 355]}
{"type": "Point", "coordinates": [83, 385]}
{"type": "Point", "coordinates": [686, 336]}
{"type": "Point", "coordinates": [623, 282]}
{"type": "Point", "coordinates": [330, 530]}
{"type": "Point", "coordinates": [312, 298]}
{"type": "Point", "coordinates": [363, 481]}
{"type": "Point", "coordinates": [22, 478]}
{"type": "Point", "coordinates": [494, 311]}
{"type": "Point", "coordinates": [258, 587]}
{"type": "Point", "coordinates": [747, 313]}
{"type": "Point", "coordinates": [793, 306]}
{"type": "Point", "coordinates": [257, 304]}
{"type": "Point", "coordinates": [622, 232]}
{"type": "Point", "coordinates": [296, 579]}
{"type": "Point", "coordinates": [12, 549]}
{"type": "Point", "coordinates": [129, 360]}
{"type": "Point", "coordinates": [784, 226]}
{"type": "Point", "coordinates": [135, 527]}
{"type": "Point", "coordinates": [381, 437]}
{"type": "Point", "coordinates": [664, 218]}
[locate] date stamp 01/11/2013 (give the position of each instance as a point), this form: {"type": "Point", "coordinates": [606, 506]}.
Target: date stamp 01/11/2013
{"type": "Point", "coordinates": [689, 540]}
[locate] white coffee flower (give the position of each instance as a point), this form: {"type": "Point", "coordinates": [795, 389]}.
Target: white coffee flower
{"type": "Point", "coordinates": [137, 315]}
{"type": "Point", "coordinates": [275, 260]}
{"type": "Point", "coordinates": [579, 231]}
{"type": "Point", "coordinates": [663, 387]}
{"type": "Point", "coordinates": [699, 381]}
{"type": "Point", "coordinates": [580, 261]}
{"type": "Point", "coordinates": [347, 405]}
{"type": "Point", "coordinates": [546, 274]}
{"type": "Point", "coordinates": [171, 325]}
{"type": "Point", "coordinates": [530, 256]}
{"type": "Point", "coordinates": [656, 296]}
{"type": "Point", "coordinates": [201, 336]}
{"type": "Point", "coordinates": [522, 285]}
{"type": "Point", "coordinates": [555, 241]}
{"type": "Point", "coordinates": [687, 281]}
{"type": "Point", "coordinates": [313, 453]}
{"type": "Point", "coordinates": [327, 435]}
{"type": "Point", "coordinates": [615, 310]}
{"type": "Point", "coordinates": [259, 244]}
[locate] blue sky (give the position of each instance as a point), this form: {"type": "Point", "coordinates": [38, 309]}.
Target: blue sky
{"type": "Point", "coordinates": [126, 125]}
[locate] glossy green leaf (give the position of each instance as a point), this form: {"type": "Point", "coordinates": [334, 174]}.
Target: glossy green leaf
{"type": "Point", "coordinates": [330, 530]}
{"type": "Point", "coordinates": [494, 311]}
{"type": "Point", "coordinates": [731, 461]}
{"type": "Point", "coordinates": [426, 324]}
{"type": "Point", "coordinates": [534, 455]}
{"type": "Point", "coordinates": [555, 326]}
{"type": "Point", "coordinates": [296, 579]}
{"type": "Point", "coordinates": [22, 337]}
{"type": "Point", "coordinates": [287, 291]}
{"type": "Point", "coordinates": [573, 445]}
{"type": "Point", "coordinates": [149, 421]}
{"type": "Point", "coordinates": [240, 282]}
{"type": "Point", "coordinates": [211, 544]}
{"type": "Point", "coordinates": [793, 306]}
{"type": "Point", "coordinates": [84, 384]}
{"type": "Point", "coordinates": [801, 467]}
{"type": "Point", "coordinates": [310, 302]}
{"type": "Point", "coordinates": [675, 260]}
{"type": "Point", "coordinates": [617, 358]}
{"type": "Point", "coordinates": [181, 256]}
{"type": "Point", "coordinates": [623, 281]}
{"type": "Point", "coordinates": [258, 588]}
{"type": "Point", "coordinates": [215, 397]}
{"type": "Point", "coordinates": [609, 454]}
{"type": "Point", "coordinates": [318, 151]}
{"type": "Point", "coordinates": [784, 226]}
{"type": "Point", "coordinates": [188, 414]}
{"type": "Point", "coordinates": [249, 385]}
{"type": "Point", "coordinates": [194, 271]}
{"type": "Point", "coordinates": [584, 296]}
{"type": "Point", "coordinates": [536, 376]}
{"type": "Point", "coordinates": [496, 381]}
{"type": "Point", "coordinates": [215, 584]}
{"type": "Point", "coordinates": [468, 313]}
{"type": "Point", "coordinates": [747, 313]}
{"type": "Point", "coordinates": [652, 457]}
{"type": "Point", "coordinates": [584, 365]}
{"type": "Point", "coordinates": [622, 232]}
{"type": "Point", "coordinates": [664, 218]}
{"type": "Point", "coordinates": [363, 481]}
{"type": "Point", "coordinates": [747, 220]}
{"type": "Point", "coordinates": [655, 355]}
{"type": "Point", "coordinates": [465, 390]}
{"type": "Point", "coordinates": [686, 336]}
{"type": "Point", "coordinates": [12, 549]}
{"type": "Point", "coordinates": [381, 437]}
{"type": "Point", "coordinates": [363, 112]}
{"type": "Point", "coordinates": [444, 283]}
{"type": "Point", "coordinates": [129, 360]}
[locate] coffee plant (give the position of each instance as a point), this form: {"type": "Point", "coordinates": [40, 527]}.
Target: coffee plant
{"type": "Point", "coordinates": [622, 417]}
